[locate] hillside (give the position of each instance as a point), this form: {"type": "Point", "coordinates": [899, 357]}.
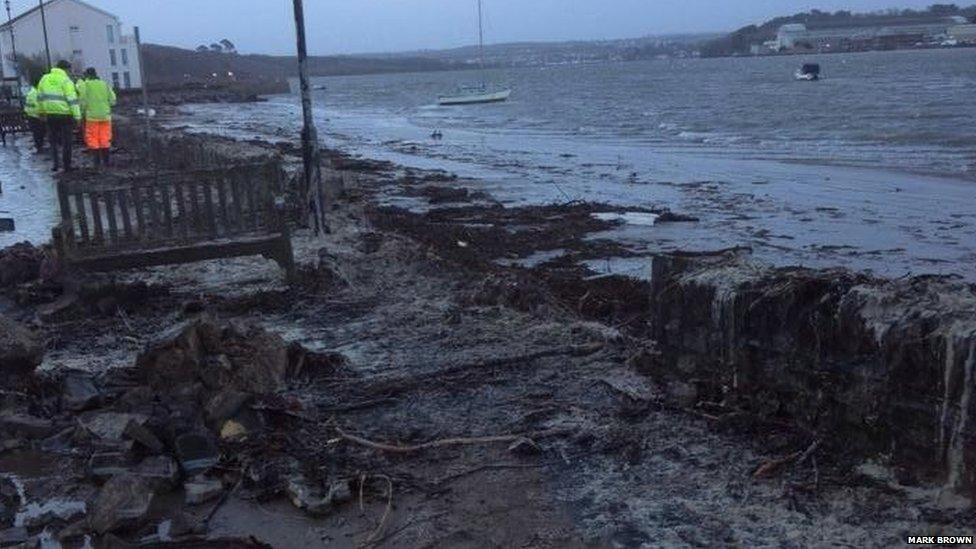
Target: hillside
{"type": "Point", "coordinates": [739, 42]}
{"type": "Point", "coordinates": [170, 65]}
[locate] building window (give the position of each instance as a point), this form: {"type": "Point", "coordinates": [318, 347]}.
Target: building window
{"type": "Point", "coordinates": [112, 58]}
{"type": "Point", "coordinates": [128, 79]}
{"type": "Point", "coordinates": [125, 57]}
{"type": "Point", "coordinates": [115, 80]}
{"type": "Point", "coordinates": [74, 28]}
{"type": "Point", "coordinates": [111, 34]}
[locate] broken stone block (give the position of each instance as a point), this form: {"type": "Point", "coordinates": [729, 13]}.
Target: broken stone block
{"type": "Point", "coordinates": [20, 263]}
{"type": "Point", "coordinates": [116, 426]}
{"type": "Point", "coordinates": [15, 536]}
{"type": "Point", "coordinates": [37, 515]}
{"type": "Point", "coordinates": [105, 465]}
{"type": "Point", "coordinates": [20, 351]}
{"type": "Point", "coordinates": [313, 500]}
{"type": "Point", "coordinates": [26, 426]}
{"type": "Point", "coordinates": [162, 472]}
{"type": "Point", "coordinates": [78, 392]}
{"type": "Point", "coordinates": [201, 490]}
{"type": "Point", "coordinates": [138, 432]}
{"type": "Point", "coordinates": [123, 502]}
{"type": "Point", "coordinates": [232, 430]}
{"type": "Point", "coordinates": [225, 405]}
{"type": "Point", "coordinates": [175, 355]}
{"type": "Point", "coordinates": [196, 452]}
{"type": "Point", "coordinates": [67, 307]}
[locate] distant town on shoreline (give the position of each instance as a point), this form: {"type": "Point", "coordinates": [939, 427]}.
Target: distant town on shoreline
{"type": "Point", "coordinates": [940, 26]}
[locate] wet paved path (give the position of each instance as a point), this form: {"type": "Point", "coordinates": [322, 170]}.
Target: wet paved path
{"type": "Point", "coordinates": [28, 193]}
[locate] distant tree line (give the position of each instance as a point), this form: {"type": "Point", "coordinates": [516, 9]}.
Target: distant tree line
{"type": "Point", "coordinates": [740, 41]}
{"type": "Point", "coordinates": [224, 46]}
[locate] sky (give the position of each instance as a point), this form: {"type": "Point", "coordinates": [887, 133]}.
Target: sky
{"type": "Point", "coordinates": [365, 26]}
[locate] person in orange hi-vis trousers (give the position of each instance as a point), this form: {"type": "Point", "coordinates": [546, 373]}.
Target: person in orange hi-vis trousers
{"type": "Point", "coordinates": [97, 99]}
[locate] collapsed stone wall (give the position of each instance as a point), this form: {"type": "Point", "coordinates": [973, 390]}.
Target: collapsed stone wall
{"type": "Point", "coordinates": [877, 368]}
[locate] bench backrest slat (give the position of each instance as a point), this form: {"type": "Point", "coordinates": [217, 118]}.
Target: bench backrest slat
{"type": "Point", "coordinates": [169, 210]}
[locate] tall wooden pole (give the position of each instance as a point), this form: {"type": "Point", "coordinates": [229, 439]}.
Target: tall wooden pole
{"type": "Point", "coordinates": [145, 87]}
{"type": "Point", "coordinates": [47, 47]}
{"type": "Point", "coordinates": [13, 44]}
{"type": "Point", "coordinates": [311, 154]}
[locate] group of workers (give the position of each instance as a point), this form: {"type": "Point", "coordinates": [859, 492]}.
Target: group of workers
{"type": "Point", "coordinates": [56, 104]}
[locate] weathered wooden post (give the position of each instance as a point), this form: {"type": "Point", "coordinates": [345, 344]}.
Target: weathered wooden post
{"type": "Point", "coordinates": [145, 92]}
{"type": "Point", "coordinates": [311, 154]}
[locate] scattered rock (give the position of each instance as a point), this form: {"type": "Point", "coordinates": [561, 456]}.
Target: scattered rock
{"type": "Point", "coordinates": [225, 405]}
{"type": "Point", "coordinates": [232, 430]}
{"type": "Point", "coordinates": [26, 426]}
{"type": "Point", "coordinates": [196, 453]}
{"type": "Point", "coordinates": [313, 500]}
{"type": "Point", "coordinates": [37, 515]}
{"type": "Point", "coordinates": [105, 465]}
{"type": "Point", "coordinates": [20, 350]}
{"type": "Point", "coordinates": [20, 263]}
{"type": "Point", "coordinates": [162, 472]}
{"type": "Point", "coordinates": [78, 391]}
{"type": "Point", "coordinates": [138, 432]}
{"type": "Point", "coordinates": [202, 490]}
{"type": "Point", "coordinates": [239, 356]}
{"type": "Point", "coordinates": [113, 426]}
{"type": "Point", "coordinates": [123, 502]}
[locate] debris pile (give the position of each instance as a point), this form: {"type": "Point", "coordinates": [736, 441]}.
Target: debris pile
{"type": "Point", "coordinates": [187, 421]}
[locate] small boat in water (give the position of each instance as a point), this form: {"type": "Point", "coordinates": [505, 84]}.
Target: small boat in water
{"type": "Point", "coordinates": [474, 96]}
{"type": "Point", "coordinates": [479, 94]}
{"type": "Point", "coordinates": [809, 71]}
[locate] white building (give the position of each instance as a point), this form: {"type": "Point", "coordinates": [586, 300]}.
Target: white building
{"type": "Point", "coordinates": [77, 32]}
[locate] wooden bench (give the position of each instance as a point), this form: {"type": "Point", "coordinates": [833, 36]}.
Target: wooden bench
{"type": "Point", "coordinates": [173, 218]}
{"type": "Point", "coordinates": [12, 120]}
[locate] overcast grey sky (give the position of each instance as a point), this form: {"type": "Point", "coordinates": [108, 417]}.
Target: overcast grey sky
{"type": "Point", "coordinates": [349, 26]}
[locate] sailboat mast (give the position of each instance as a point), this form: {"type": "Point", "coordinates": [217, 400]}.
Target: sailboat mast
{"type": "Point", "coordinates": [481, 37]}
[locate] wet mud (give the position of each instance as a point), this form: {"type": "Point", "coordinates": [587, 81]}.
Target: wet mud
{"type": "Point", "coordinates": [450, 372]}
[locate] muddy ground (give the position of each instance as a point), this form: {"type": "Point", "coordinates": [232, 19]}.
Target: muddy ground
{"type": "Point", "coordinates": [447, 383]}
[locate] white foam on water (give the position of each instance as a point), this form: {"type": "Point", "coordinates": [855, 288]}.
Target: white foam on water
{"type": "Point", "coordinates": [631, 218]}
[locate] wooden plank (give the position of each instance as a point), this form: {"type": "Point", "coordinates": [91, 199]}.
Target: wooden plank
{"type": "Point", "coordinates": [67, 219]}
{"type": "Point", "coordinates": [82, 221]}
{"type": "Point", "coordinates": [268, 246]}
{"type": "Point", "coordinates": [126, 215]}
{"type": "Point", "coordinates": [195, 202]}
{"type": "Point", "coordinates": [238, 210]}
{"type": "Point", "coordinates": [98, 238]}
{"type": "Point", "coordinates": [113, 224]}
{"type": "Point", "coordinates": [184, 218]}
{"type": "Point", "coordinates": [252, 203]}
{"type": "Point", "coordinates": [219, 181]}
{"type": "Point", "coordinates": [167, 211]}
{"type": "Point", "coordinates": [152, 230]}
{"type": "Point", "coordinates": [139, 206]}
{"type": "Point", "coordinates": [208, 202]}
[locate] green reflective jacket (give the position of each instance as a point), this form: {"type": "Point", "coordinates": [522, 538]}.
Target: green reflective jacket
{"type": "Point", "coordinates": [31, 108]}
{"type": "Point", "coordinates": [97, 100]}
{"type": "Point", "coordinates": [56, 95]}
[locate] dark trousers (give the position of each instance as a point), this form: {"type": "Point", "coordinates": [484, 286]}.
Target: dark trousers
{"type": "Point", "coordinates": [38, 130]}
{"type": "Point", "coordinates": [61, 135]}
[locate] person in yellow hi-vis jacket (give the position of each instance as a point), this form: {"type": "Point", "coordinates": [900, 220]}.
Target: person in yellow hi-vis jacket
{"type": "Point", "coordinates": [38, 126]}
{"type": "Point", "coordinates": [97, 100]}
{"type": "Point", "coordinates": [57, 101]}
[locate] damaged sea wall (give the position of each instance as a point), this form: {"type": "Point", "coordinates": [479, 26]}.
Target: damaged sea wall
{"type": "Point", "coordinates": [876, 368]}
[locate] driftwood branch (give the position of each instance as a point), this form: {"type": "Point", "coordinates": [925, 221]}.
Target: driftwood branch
{"type": "Point", "coordinates": [442, 443]}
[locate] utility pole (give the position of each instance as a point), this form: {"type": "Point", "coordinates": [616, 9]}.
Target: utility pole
{"type": "Point", "coordinates": [145, 87]}
{"type": "Point", "coordinates": [314, 194]}
{"type": "Point", "coordinates": [13, 42]}
{"type": "Point", "coordinates": [47, 47]}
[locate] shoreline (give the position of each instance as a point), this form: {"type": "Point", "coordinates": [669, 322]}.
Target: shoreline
{"type": "Point", "coordinates": [581, 418]}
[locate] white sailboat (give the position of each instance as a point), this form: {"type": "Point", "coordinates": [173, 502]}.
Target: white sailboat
{"type": "Point", "coordinates": [479, 94]}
